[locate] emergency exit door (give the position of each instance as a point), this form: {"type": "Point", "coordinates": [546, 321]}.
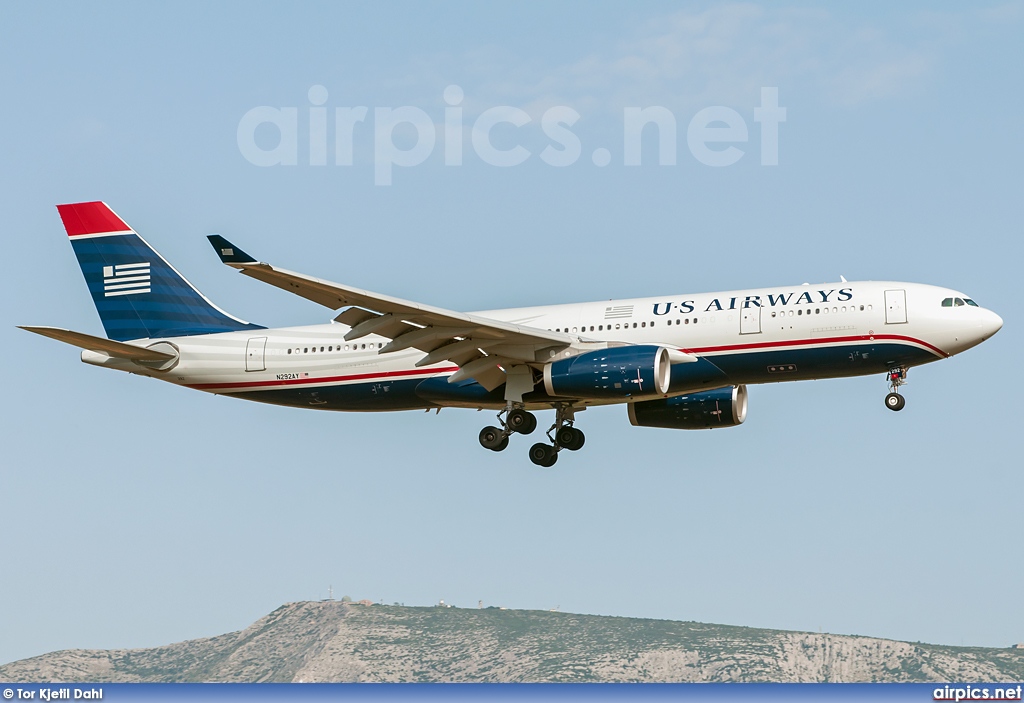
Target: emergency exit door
{"type": "Point", "coordinates": [895, 307]}
{"type": "Point", "coordinates": [255, 350]}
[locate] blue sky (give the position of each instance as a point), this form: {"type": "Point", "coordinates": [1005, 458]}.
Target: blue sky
{"type": "Point", "coordinates": [136, 514]}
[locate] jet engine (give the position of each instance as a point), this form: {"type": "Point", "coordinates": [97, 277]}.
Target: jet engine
{"type": "Point", "coordinates": [722, 407]}
{"type": "Point", "coordinates": [617, 372]}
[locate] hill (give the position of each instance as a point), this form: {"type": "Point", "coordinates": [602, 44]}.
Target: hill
{"type": "Point", "coordinates": [333, 641]}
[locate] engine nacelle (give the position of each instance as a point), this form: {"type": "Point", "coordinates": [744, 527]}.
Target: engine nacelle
{"type": "Point", "coordinates": [617, 372]}
{"type": "Point", "coordinates": [722, 407]}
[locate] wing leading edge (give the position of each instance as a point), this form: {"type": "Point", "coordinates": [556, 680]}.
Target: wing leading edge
{"type": "Point", "coordinates": [482, 347]}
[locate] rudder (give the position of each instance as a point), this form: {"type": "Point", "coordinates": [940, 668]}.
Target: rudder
{"type": "Point", "coordinates": [137, 293]}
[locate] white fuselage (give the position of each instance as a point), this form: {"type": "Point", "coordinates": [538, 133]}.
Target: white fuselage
{"type": "Point", "coordinates": [753, 336]}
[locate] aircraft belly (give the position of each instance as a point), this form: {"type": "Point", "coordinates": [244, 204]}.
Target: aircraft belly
{"type": "Point", "coordinates": [384, 395]}
{"type": "Point", "coordinates": [822, 362]}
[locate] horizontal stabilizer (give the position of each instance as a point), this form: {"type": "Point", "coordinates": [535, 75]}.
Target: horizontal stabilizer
{"type": "Point", "coordinates": [99, 344]}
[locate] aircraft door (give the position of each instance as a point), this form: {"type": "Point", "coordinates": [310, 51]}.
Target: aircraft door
{"type": "Point", "coordinates": [895, 307]}
{"type": "Point", "coordinates": [750, 320]}
{"type": "Point", "coordinates": [255, 351]}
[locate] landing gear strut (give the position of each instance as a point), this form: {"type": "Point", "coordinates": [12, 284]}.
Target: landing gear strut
{"type": "Point", "coordinates": [897, 377]}
{"type": "Point", "coordinates": [514, 418]}
{"type": "Point", "coordinates": [565, 437]}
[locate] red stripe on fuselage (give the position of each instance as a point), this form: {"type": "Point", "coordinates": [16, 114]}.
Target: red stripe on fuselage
{"type": "Point", "coordinates": [256, 385]}
{"type": "Point", "coordinates": [825, 340]}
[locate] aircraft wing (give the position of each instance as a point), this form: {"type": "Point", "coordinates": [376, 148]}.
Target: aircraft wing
{"type": "Point", "coordinates": [477, 344]}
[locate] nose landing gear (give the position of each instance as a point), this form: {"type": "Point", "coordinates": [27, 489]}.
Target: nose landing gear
{"type": "Point", "coordinates": [897, 377]}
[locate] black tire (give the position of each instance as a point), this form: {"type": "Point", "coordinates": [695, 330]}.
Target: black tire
{"type": "Point", "coordinates": [521, 421]}
{"type": "Point", "coordinates": [579, 439]}
{"type": "Point", "coordinates": [492, 438]}
{"type": "Point", "coordinates": [565, 436]}
{"type": "Point", "coordinates": [543, 455]}
{"type": "Point", "coordinates": [895, 401]}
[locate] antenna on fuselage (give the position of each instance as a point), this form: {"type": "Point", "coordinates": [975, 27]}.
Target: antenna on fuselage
{"type": "Point", "coordinates": [843, 278]}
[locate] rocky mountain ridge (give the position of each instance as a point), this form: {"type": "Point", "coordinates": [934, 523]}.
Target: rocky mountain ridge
{"type": "Point", "coordinates": [332, 642]}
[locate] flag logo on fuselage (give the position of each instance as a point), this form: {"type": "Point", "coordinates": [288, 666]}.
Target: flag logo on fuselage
{"type": "Point", "coordinates": [126, 279]}
{"type": "Point", "coordinates": [618, 311]}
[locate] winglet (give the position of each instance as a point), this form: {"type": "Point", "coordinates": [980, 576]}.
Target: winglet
{"type": "Point", "coordinates": [228, 252]}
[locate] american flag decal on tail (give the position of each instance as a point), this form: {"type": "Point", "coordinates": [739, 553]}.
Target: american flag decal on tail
{"type": "Point", "coordinates": [126, 279]}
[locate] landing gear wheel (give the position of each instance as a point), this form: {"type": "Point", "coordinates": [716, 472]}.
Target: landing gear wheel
{"type": "Point", "coordinates": [895, 401]}
{"type": "Point", "coordinates": [521, 421]}
{"type": "Point", "coordinates": [543, 455]}
{"type": "Point", "coordinates": [570, 438]}
{"type": "Point", "coordinates": [494, 439]}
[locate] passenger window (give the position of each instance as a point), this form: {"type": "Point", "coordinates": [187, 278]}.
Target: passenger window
{"type": "Point", "coordinates": [289, 351]}
{"type": "Point", "coordinates": [305, 350]}
{"type": "Point", "coordinates": [642, 324]}
{"type": "Point", "coordinates": [817, 311]}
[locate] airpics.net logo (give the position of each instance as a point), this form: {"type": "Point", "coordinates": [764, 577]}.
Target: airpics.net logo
{"type": "Point", "coordinates": [407, 136]}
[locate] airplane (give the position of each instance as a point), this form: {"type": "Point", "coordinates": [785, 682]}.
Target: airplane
{"type": "Point", "coordinates": [676, 361]}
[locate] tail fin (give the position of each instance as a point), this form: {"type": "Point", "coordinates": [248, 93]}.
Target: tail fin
{"type": "Point", "coordinates": [137, 293]}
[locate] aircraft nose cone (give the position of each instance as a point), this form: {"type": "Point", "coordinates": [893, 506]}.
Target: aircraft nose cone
{"type": "Point", "coordinates": [991, 324]}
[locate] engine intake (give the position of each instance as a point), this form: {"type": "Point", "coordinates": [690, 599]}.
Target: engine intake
{"type": "Point", "coordinates": [722, 407]}
{"type": "Point", "coordinates": [617, 372]}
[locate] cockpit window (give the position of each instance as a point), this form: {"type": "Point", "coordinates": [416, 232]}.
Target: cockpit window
{"type": "Point", "coordinates": [958, 302]}
{"type": "Point", "coordinates": [947, 303]}
{"type": "Point", "coordinates": [971, 303]}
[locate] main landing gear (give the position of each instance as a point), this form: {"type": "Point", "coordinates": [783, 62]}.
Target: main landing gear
{"type": "Point", "coordinates": [897, 377]}
{"type": "Point", "coordinates": [565, 437]}
{"type": "Point", "coordinates": [514, 418]}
